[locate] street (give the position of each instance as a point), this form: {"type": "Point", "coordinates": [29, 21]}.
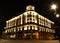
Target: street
{"type": "Point", "coordinates": [29, 41]}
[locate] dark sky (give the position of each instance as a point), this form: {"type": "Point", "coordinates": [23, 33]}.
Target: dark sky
{"type": "Point", "coordinates": [9, 9]}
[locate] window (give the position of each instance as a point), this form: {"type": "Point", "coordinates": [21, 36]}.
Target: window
{"type": "Point", "coordinates": [39, 29]}
{"type": "Point", "coordinates": [19, 21]}
{"type": "Point", "coordinates": [33, 27]}
{"type": "Point", "coordinates": [49, 25]}
{"type": "Point", "coordinates": [28, 27]}
{"type": "Point", "coordinates": [28, 19]}
{"type": "Point", "coordinates": [12, 23]}
{"type": "Point", "coordinates": [34, 34]}
{"type": "Point", "coordinates": [36, 28]}
{"type": "Point", "coordinates": [39, 20]}
{"type": "Point", "coordinates": [31, 18]}
{"type": "Point", "coordinates": [12, 36]}
{"type": "Point", "coordinates": [10, 30]}
{"type": "Point", "coordinates": [15, 22]}
{"type": "Point", "coordinates": [5, 31]}
{"type": "Point", "coordinates": [25, 27]}
{"type": "Point", "coordinates": [21, 28]}
{"type": "Point", "coordinates": [14, 29]}
{"type": "Point", "coordinates": [34, 19]}
{"type": "Point", "coordinates": [7, 24]}
{"type": "Point", "coordinates": [53, 31]}
{"type": "Point", "coordinates": [46, 29]}
{"type": "Point", "coordinates": [18, 29]}
{"type": "Point", "coordinates": [43, 29]}
{"type": "Point", "coordinates": [42, 22]}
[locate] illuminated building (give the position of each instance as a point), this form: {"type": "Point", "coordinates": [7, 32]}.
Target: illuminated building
{"type": "Point", "coordinates": [29, 25]}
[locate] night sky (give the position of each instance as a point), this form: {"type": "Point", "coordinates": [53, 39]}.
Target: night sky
{"type": "Point", "coordinates": [10, 9]}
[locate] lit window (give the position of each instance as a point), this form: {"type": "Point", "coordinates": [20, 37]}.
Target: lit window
{"type": "Point", "coordinates": [39, 16]}
{"type": "Point", "coordinates": [21, 19]}
{"type": "Point", "coordinates": [25, 34]}
{"type": "Point", "coordinates": [35, 21]}
{"type": "Point", "coordinates": [33, 33]}
{"type": "Point", "coordinates": [7, 24]}
{"type": "Point", "coordinates": [18, 29]}
{"type": "Point", "coordinates": [39, 20]}
{"type": "Point", "coordinates": [10, 30]}
{"type": "Point", "coordinates": [32, 19]}
{"type": "Point", "coordinates": [53, 31]}
{"type": "Point", "coordinates": [25, 28]}
{"type": "Point", "coordinates": [6, 31]}
{"type": "Point", "coordinates": [12, 36]}
{"type": "Point", "coordinates": [21, 28]}
{"type": "Point", "coordinates": [14, 30]}
{"type": "Point", "coordinates": [49, 25]}
{"type": "Point", "coordinates": [46, 29]}
{"type": "Point", "coordinates": [33, 27]}
{"type": "Point", "coordinates": [37, 35]}
{"type": "Point", "coordinates": [50, 30]}
{"type": "Point", "coordinates": [15, 22]}
{"type": "Point", "coordinates": [26, 19]}
{"type": "Point", "coordinates": [34, 13]}
{"type": "Point", "coordinates": [42, 29]}
{"type": "Point", "coordinates": [29, 27]}
{"type": "Point", "coordinates": [39, 29]}
{"type": "Point", "coordinates": [36, 28]}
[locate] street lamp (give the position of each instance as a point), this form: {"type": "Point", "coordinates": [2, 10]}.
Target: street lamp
{"type": "Point", "coordinates": [54, 7]}
{"type": "Point", "coordinates": [57, 15]}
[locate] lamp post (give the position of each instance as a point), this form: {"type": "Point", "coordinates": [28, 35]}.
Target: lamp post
{"type": "Point", "coordinates": [57, 15]}
{"type": "Point", "coordinates": [54, 7]}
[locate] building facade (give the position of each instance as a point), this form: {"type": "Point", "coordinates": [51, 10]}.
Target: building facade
{"type": "Point", "coordinates": [29, 25]}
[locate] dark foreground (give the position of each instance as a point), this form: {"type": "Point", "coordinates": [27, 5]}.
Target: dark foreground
{"type": "Point", "coordinates": [29, 41]}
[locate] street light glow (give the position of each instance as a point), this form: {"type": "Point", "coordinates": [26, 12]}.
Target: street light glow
{"type": "Point", "coordinates": [53, 6]}
{"type": "Point", "coordinates": [57, 15]}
